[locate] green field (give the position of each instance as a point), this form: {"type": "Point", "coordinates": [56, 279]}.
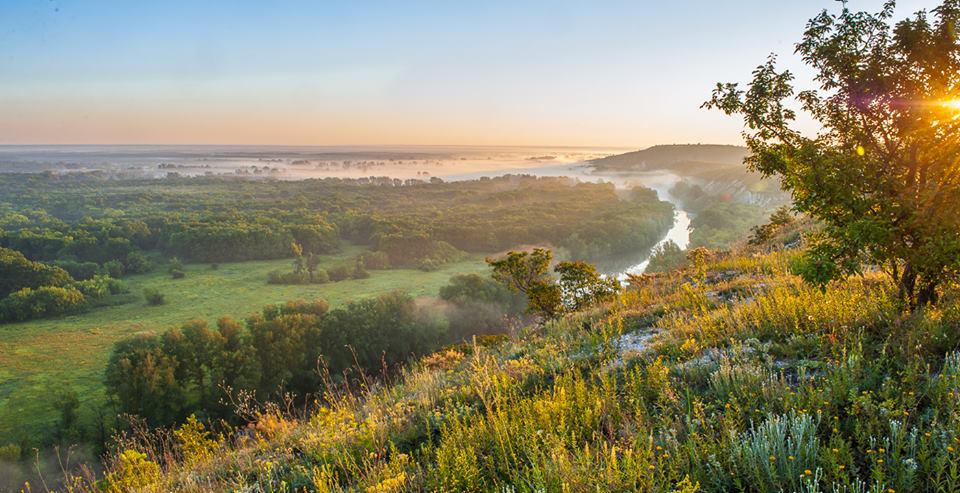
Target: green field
{"type": "Point", "coordinates": [41, 356]}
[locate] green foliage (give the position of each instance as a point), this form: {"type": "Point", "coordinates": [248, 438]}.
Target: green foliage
{"type": "Point", "coordinates": [478, 305]}
{"type": "Point", "coordinates": [113, 268]}
{"type": "Point", "coordinates": [375, 260]}
{"type": "Point", "coordinates": [17, 272]}
{"type": "Point", "coordinates": [723, 224]}
{"type": "Point", "coordinates": [29, 303]}
{"type": "Point", "coordinates": [80, 271]}
{"type": "Point", "coordinates": [142, 378]}
{"type": "Point", "coordinates": [667, 257]}
{"type": "Point", "coordinates": [881, 175]}
{"type": "Point", "coordinates": [10, 452]}
{"type": "Point", "coordinates": [338, 273]}
{"type": "Point", "coordinates": [581, 286]}
{"type": "Point", "coordinates": [136, 263]}
{"type": "Point", "coordinates": [154, 297]}
{"type": "Point", "coordinates": [528, 273]}
{"type": "Point", "coordinates": [780, 220]}
{"type": "Point", "coordinates": [187, 369]}
{"type": "Point", "coordinates": [176, 269]}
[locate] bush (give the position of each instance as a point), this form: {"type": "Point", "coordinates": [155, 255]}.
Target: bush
{"type": "Point", "coordinates": [339, 273]}
{"type": "Point", "coordinates": [100, 286]}
{"type": "Point", "coordinates": [359, 272]}
{"type": "Point", "coordinates": [153, 297]}
{"type": "Point", "coordinates": [320, 276]}
{"type": "Point", "coordinates": [113, 268]}
{"type": "Point", "coordinates": [375, 260]}
{"type": "Point", "coordinates": [137, 263]}
{"type": "Point", "coordinates": [176, 269]}
{"type": "Point", "coordinates": [278, 277]}
{"type": "Point", "coordinates": [10, 452]}
{"type": "Point", "coordinates": [80, 271]}
{"type": "Point", "coordinates": [29, 303]}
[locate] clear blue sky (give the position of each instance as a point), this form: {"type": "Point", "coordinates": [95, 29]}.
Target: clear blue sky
{"type": "Point", "coordinates": [609, 73]}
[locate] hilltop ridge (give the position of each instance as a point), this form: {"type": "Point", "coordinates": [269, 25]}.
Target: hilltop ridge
{"type": "Point", "coordinates": [679, 157]}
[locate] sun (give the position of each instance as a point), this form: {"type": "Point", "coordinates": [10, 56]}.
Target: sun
{"type": "Point", "coordinates": [953, 104]}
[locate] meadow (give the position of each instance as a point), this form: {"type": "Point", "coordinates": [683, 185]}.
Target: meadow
{"type": "Point", "coordinates": [39, 358]}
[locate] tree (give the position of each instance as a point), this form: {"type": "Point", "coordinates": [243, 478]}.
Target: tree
{"type": "Point", "coordinates": [142, 378]}
{"type": "Point", "coordinates": [527, 273]}
{"type": "Point", "coordinates": [582, 286]}
{"type": "Point", "coordinates": [299, 263]}
{"type": "Point", "coordinates": [883, 174]}
{"type": "Point", "coordinates": [18, 272]}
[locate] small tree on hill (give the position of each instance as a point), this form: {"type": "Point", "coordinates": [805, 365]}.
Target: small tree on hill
{"type": "Point", "coordinates": [527, 273]}
{"type": "Point", "coordinates": [883, 175]}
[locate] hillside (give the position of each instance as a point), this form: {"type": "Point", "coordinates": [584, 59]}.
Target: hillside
{"type": "Point", "coordinates": [729, 376]}
{"type": "Point", "coordinates": [682, 158]}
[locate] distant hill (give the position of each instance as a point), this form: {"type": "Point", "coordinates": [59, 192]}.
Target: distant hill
{"type": "Point", "coordinates": [683, 158]}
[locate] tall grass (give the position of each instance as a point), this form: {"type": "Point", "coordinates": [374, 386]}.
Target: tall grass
{"type": "Point", "coordinates": [787, 389]}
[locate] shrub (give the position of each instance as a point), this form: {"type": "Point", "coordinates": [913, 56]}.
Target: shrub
{"type": "Point", "coordinates": [137, 263]}
{"type": "Point", "coordinates": [100, 286]}
{"type": "Point", "coordinates": [30, 303]}
{"type": "Point", "coordinates": [10, 452]}
{"type": "Point", "coordinates": [320, 276]}
{"type": "Point", "coordinates": [80, 271]}
{"type": "Point", "coordinates": [375, 260]}
{"type": "Point", "coordinates": [176, 269]}
{"type": "Point", "coordinates": [132, 472]}
{"type": "Point", "coordinates": [113, 268]}
{"type": "Point", "coordinates": [153, 297]}
{"type": "Point", "coordinates": [339, 273]}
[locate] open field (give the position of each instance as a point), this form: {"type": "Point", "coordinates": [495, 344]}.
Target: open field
{"type": "Point", "coordinates": [42, 356]}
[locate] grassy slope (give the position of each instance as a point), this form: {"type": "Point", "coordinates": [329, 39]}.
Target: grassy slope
{"type": "Point", "coordinates": [39, 356]}
{"type": "Point", "coordinates": [752, 382]}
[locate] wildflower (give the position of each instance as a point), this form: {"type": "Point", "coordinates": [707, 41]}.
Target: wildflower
{"type": "Point", "coordinates": [882, 450]}
{"type": "Point", "coordinates": [791, 458]}
{"type": "Point", "coordinates": [891, 490]}
{"type": "Point", "coordinates": [651, 467]}
{"type": "Point", "coordinates": [807, 472]}
{"type": "Point", "coordinates": [773, 458]}
{"type": "Point", "coordinates": [879, 461]}
{"type": "Point", "coordinates": [842, 467]}
{"type": "Point", "coordinates": [834, 450]}
{"type": "Point", "coordinates": [949, 448]}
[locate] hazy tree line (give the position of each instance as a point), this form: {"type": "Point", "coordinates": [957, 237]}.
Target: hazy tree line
{"type": "Point", "coordinates": [85, 218]}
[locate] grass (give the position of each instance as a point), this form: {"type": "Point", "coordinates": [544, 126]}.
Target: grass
{"type": "Point", "coordinates": [779, 388]}
{"type": "Point", "coordinates": [43, 356]}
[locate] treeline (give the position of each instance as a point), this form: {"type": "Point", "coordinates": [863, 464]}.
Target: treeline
{"type": "Point", "coordinates": [86, 218]}
{"type": "Point", "coordinates": [292, 348]}
{"type": "Point", "coordinates": [31, 289]}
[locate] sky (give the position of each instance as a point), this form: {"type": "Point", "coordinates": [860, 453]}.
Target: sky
{"type": "Point", "coordinates": [358, 72]}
